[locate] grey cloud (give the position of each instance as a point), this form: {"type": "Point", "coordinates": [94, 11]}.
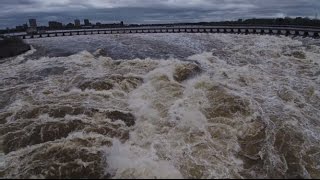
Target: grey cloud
{"type": "Point", "coordinates": [13, 12]}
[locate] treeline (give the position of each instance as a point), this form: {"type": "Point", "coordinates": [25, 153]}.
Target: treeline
{"type": "Point", "coordinates": [11, 46]}
{"type": "Point", "coordinates": [299, 21]}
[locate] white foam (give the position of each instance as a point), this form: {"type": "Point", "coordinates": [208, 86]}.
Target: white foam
{"type": "Point", "coordinates": [174, 135]}
{"type": "Point", "coordinates": [128, 161]}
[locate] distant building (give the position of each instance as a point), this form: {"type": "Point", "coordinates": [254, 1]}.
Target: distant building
{"type": "Point", "coordinates": [20, 28]}
{"type": "Point", "coordinates": [33, 23]}
{"type": "Point", "coordinates": [77, 23]}
{"type": "Point", "coordinates": [70, 25]}
{"type": "Point", "coordinates": [87, 27]}
{"type": "Point", "coordinates": [32, 30]}
{"type": "Point", "coordinates": [87, 22]}
{"type": "Point", "coordinates": [55, 25]}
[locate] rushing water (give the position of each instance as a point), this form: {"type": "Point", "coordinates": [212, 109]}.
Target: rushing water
{"type": "Point", "coordinates": [242, 106]}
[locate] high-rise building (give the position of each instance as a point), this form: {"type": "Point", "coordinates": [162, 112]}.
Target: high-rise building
{"type": "Point", "coordinates": [55, 25]}
{"type": "Point", "coordinates": [87, 22]}
{"type": "Point", "coordinates": [77, 23]}
{"type": "Point", "coordinates": [70, 25]}
{"type": "Point", "coordinates": [33, 23]}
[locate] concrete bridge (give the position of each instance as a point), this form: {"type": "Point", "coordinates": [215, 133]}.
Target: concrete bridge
{"type": "Point", "coordinates": [293, 31]}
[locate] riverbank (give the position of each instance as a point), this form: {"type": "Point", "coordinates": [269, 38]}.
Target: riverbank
{"type": "Point", "coordinates": [10, 47]}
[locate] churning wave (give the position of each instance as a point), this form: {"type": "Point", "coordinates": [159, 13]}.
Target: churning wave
{"type": "Point", "coordinates": [249, 108]}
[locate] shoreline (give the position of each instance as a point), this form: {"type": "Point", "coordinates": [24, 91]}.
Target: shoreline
{"type": "Point", "coordinates": [10, 47]}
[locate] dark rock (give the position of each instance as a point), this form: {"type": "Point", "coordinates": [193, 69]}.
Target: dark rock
{"type": "Point", "coordinates": [13, 127]}
{"type": "Point", "coordinates": [317, 73]}
{"type": "Point", "coordinates": [108, 130]}
{"type": "Point", "coordinates": [224, 104]}
{"type": "Point", "coordinates": [96, 85]}
{"type": "Point", "coordinates": [186, 71]}
{"type": "Point", "coordinates": [55, 112]}
{"type": "Point", "coordinates": [51, 71]}
{"type": "Point", "coordinates": [109, 82]}
{"type": "Point", "coordinates": [21, 134]}
{"type": "Point", "coordinates": [252, 143]}
{"type": "Point", "coordinates": [3, 117]}
{"type": "Point", "coordinates": [62, 111]}
{"type": "Point", "coordinates": [299, 54]}
{"type": "Point", "coordinates": [60, 161]}
{"type": "Point", "coordinates": [7, 97]}
{"type": "Point", "coordinates": [37, 134]}
{"type": "Point", "coordinates": [127, 118]}
{"type": "Point", "coordinates": [10, 46]}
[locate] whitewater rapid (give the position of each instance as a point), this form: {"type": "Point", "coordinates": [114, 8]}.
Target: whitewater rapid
{"type": "Point", "coordinates": [247, 108]}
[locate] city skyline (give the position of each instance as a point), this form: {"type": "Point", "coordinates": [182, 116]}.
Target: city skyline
{"type": "Point", "coordinates": [13, 12]}
{"type": "Point", "coordinates": [32, 23]}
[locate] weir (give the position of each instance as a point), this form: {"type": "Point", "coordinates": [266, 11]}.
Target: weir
{"type": "Point", "coordinates": [295, 31]}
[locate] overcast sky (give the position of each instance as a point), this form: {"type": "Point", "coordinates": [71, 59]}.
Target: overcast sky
{"type": "Point", "coordinates": [14, 12]}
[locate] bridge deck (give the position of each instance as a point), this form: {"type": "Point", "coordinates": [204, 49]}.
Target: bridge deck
{"type": "Point", "coordinates": [298, 31]}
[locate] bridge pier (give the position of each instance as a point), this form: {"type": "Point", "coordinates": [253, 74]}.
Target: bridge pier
{"type": "Point", "coordinates": [250, 31]}
{"type": "Point", "coordinates": [221, 30]}
{"type": "Point", "coordinates": [311, 34]}
{"type": "Point", "coordinates": [292, 32]}
{"type": "Point", "coordinates": [302, 33]}
{"type": "Point", "coordinates": [287, 32]}
{"type": "Point", "coordinates": [243, 31]}
{"type": "Point", "coordinates": [234, 30]}
{"type": "Point", "coordinates": [265, 31]}
{"type": "Point", "coordinates": [258, 31]}
{"type": "Point", "coordinates": [305, 32]}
